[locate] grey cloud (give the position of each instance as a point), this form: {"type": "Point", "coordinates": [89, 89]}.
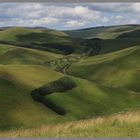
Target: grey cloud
{"type": "Point", "coordinates": [67, 15]}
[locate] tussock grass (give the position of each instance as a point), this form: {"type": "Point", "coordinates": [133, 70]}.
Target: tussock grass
{"type": "Point", "coordinates": [121, 125]}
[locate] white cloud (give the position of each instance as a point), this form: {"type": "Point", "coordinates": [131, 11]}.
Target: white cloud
{"type": "Point", "coordinates": [123, 20]}
{"type": "Point", "coordinates": [43, 21]}
{"type": "Point", "coordinates": [104, 19]}
{"type": "Point", "coordinates": [118, 17]}
{"type": "Point", "coordinates": [117, 7]}
{"type": "Point", "coordinates": [43, 14]}
{"type": "Point", "coordinates": [68, 15]}
{"type": "Point", "coordinates": [74, 23]}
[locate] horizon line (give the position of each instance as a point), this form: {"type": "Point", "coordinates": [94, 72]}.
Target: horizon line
{"type": "Point", "coordinates": [70, 29]}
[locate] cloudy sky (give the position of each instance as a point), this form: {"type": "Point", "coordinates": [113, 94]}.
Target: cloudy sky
{"type": "Point", "coordinates": [68, 16]}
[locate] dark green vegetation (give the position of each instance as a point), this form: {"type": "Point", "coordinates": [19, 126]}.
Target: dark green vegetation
{"type": "Point", "coordinates": [102, 46]}
{"type": "Point", "coordinates": [63, 63]}
{"type": "Point", "coordinates": [61, 85]}
{"type": "Point", "coordinates": [49, 77]}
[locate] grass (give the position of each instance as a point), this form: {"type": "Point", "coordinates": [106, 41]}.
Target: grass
{"type": "Point", "coordinates": [119, 69]}
{"type": "Point", "coordinates": [41, 39]}
{"type": "Point", "coordinates": [108, 32]}
{"type": "Point", "coordinates": [61, 85]}
{"type": "Point", "coordinates": [102, 40]}
{"type": "Point", "coordinates": [94, 100]}
{"type": "Point", "coordinates": [17, 34]}
{"type": "Point", "coordinates": [122, 125]}
{"type": "Point", "coordinates": [84, 101]}
{"type": "Point", "coordinates": [10, 54]}
{"type": "Point", "coordinates": [16, 104]}
{"type": "Point", "coordinates": [105, 84]}
{"type": "Point", "coordinates": [37, 75]}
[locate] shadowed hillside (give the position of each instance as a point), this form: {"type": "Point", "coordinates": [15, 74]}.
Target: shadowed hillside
{"type": "Point", "coordinates": [42, 39]}
{"type": "Point", "coordinates": [103, 32]}
{"type": "Point", "coordinates": [102, 46]}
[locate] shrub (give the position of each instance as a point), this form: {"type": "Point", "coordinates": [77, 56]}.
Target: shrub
{"type": "Point", "coordinates": [60, 85]}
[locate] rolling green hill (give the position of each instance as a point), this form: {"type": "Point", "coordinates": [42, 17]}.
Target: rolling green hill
{"type": "Point", "coordinates": [42, 39]}
{"type": "Point", "coordinates": [48, 77]}
{"type": "Point", "coordinates": [86, 100]}
{"type": "Point", "coordinates": [102, 46]}
{"type": "Point", "coordinates": [103, 32]}
{"type": "Point", "coordinates": [100, 40]}
{"type": "Point", "coordinates": [17, 107]}
{"type": "Point", "coordinates": [119, 68]}
{"type": "Point", "coordinates": [10, 54]}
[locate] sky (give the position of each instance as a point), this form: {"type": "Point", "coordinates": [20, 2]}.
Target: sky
{"type": "Point", "coordinates": [68, 16]}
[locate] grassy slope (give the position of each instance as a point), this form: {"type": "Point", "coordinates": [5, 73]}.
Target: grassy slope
{"type": "Point", "coordinates": [109, 32]}
{"type": "Point", "coordinates": [112, 38]}
{"type": "Point", "coordinates": [112, 45]}
{"type": "Point", "coordinates": [44, 39]}
{"type": "Point", "coordinates": [122, 125]}
{"type": "Point", "coordinates": [17, 33]}
{"type": "Point", "coordinates": [87, 100]}
{"type": "Point", "coordinates": [20, 80]}
{"type": "Point", "coordinates": [21, 71]}
{"type": "Point", "coordinates": [16, 55]}
{"type": "Point", "coordinates": [17, 77]}
{"type": "Point", "coordinates": [120, 69]}
{"type": "Point", "coordinates": [16, 105]}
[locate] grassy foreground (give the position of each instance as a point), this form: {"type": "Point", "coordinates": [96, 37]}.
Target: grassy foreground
{"type": "Point", "coordinates": [121, 125]}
